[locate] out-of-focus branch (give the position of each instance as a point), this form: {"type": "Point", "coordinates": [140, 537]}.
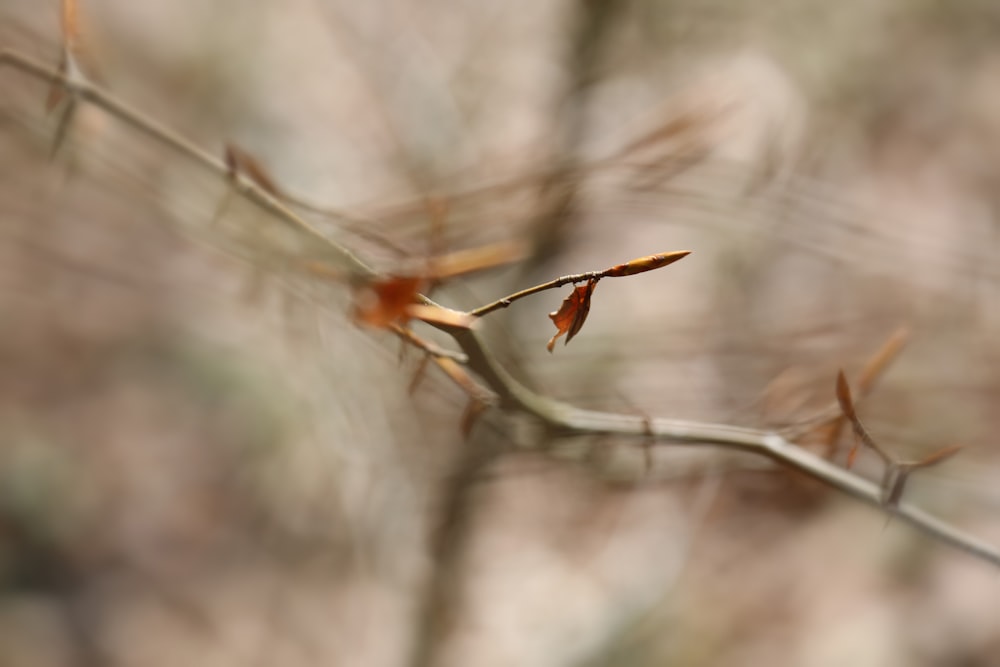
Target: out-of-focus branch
{"type": "Point", "coordinates": [568, 419]}
{"type": "Point", "coordinates": [84, 91]}
{"type": "Point", "coordinates": [562, 418]}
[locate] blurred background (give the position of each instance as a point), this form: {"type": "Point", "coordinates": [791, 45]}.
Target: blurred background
{"type": "Point", "coordinates": [205, 461]}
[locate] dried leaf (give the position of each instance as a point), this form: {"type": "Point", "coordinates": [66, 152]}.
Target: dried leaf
{"type": "Point", "coordinates": [572, 313]}
{"type": "Point", "coordinates": [438, 315]}
{"type": "Point", "coordinates": [643, 264]}
{"type": "Point", "coordinates": [881, 359]}
{"type": "Point", "coordinates": [384, 302]}
{"type": "Point", "coordinates": [937, 457]}
{"type": "Point", "coordinates": [869, 376]}
{"type": "Point", "coordinates": [240, 162]}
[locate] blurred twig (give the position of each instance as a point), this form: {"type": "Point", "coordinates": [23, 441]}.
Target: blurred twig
{"type": "Point", "coordinates": [97, 96]}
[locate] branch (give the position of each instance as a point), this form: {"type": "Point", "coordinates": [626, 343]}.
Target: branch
{"type": "Point", "coordinates": [434, 350]}
{"type": "Point", "coordinates": [639, 265]}
{"type": "Point", "coordinates": [563, 418]}
{"type": "Point", "coordinates": [552, 284]}
{"type": "Point", "coordinates": [85, 91]}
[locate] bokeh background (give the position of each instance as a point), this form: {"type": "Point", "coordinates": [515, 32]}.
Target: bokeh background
{"type": "Point", "coordinates": [205, 461]}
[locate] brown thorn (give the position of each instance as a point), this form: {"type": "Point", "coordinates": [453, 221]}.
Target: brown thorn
{"type": "Point", "coordinates": [648, 433]}
{"type": "Point", "coordinates": [847, 406]}
{"type": "Point", "coordinates": [647, 443]}
{"type": "Point", "coordinates": [893, 482]}
{"type": "Point", "coordinates": [64, 124]}
{"type": "Point", "coordinates": [870, 374]}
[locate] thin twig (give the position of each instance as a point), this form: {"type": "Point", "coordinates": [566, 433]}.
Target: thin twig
{"type": "Point", "coordinates": [629, 268]}
{"type": "Point", "coordinates": [568, 419]}
{"type": "Point", "coordinates": [552, 284]}
{"type": "Point", "coordinates": [427, 346]}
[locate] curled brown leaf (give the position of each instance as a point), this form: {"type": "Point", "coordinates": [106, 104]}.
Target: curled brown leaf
{"type": "Point", "coordinates": [572, 313]}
